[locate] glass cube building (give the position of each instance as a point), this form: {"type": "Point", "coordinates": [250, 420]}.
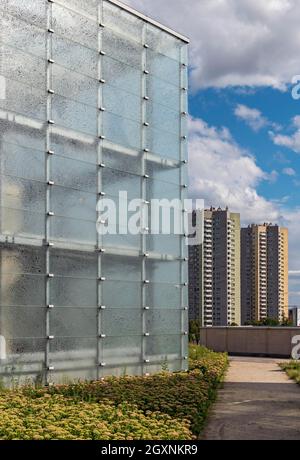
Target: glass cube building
{"type": "Point", "coordinates": [93, 100]}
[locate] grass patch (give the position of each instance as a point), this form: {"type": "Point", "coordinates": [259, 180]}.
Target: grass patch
{"type": "Point", "coordinates": [166, 406]}
{"type": "Point", "coordinates": [292, 369]}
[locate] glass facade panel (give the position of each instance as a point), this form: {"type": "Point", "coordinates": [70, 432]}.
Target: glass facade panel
{"type": "Point", "coordinates": [121, 323]}
{"type": "Point", "coordinates": [32, 11]}
{"type": "Point", "coordinates": [76, 27]}
{"type": "Point", "coordinates": [74, 56]}
{"type": "Point", "coordinates": [120, 48]}
{"type": "Point", "coordinates": [74, 85]}
{"type": "Point", "coordinates": [122, 131]}
{"type": "Point", "coordinates": [22, 35]}
{"type": "Point", "coordinates": [122, 350]}
{"type": "Point", "coordinates": [163, 67]}
{"type": "Point", "coordinates": [73, 322]}
{"type": "Point", "coordinates": [121, 103]}
{"type": "Point", "coordinates": [162, 296]}
{"type": "Point", "coordinates": [22, 67]}
{"type": "Point", "coordinates": [23, 162]}
{"type": "Point", "coordinates": [24, 100]}
{"type": "Point", "coordinates": [89, 111]}
{"type": "Point", "coordinates": [121, 75]}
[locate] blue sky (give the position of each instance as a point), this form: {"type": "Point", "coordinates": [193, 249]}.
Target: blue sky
{"type": "Point", "coordinates": [217, 107]}
{"type": "Point", "coordinates": [244, 147]}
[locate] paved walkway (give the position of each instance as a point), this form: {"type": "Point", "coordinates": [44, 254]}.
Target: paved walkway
{"type": "Point", "coordinates": [258, 402]}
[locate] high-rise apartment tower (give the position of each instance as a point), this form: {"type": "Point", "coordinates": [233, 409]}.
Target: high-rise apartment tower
{"type": "Point", "coordinates": [264, 272]}
{"type": "Point", "coordinates": [214, 269]}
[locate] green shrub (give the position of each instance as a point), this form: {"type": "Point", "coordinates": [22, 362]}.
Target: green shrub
{"type": "Point", "coordinates": [292, 369]}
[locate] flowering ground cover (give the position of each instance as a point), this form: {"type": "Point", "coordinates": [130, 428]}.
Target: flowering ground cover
{"type": "Point", "coordinates": [165, 406]}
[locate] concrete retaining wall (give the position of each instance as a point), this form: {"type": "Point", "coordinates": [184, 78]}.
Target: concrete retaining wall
{"type": "Point", "coordinates": [250, 341]}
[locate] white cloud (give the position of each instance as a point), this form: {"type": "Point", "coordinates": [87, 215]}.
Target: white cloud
{"type": "Point", "coordinates": [235, 42]}
{"type": "Point", "coordinates": [224, 174]}
{"type": "Point", "coordinates": [289, 172]}
{"type": "Point", "coordinates": [293, 141]}
{"type": "Point", "coordinates": [252, 117]}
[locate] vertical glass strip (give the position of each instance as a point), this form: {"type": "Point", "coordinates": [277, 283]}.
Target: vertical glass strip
{"type": "Point", "coordinates": [47, 179]}
{"type": "Point", "coordinates": [100, 354]}
{"type": "Point", "coordinates": [183, 159]}
{"type": "Point", "coordinates": [144, 194]}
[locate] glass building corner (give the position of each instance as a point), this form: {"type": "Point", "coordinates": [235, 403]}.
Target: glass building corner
{"type": "Point", "coordinates": [93, 101]}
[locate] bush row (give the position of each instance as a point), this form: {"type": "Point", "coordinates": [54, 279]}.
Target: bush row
{"type": "Point", "coordinates": [162, 406]}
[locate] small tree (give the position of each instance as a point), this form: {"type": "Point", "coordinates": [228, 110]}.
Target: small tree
{"type": "Point", "coordinates": [194, 333]}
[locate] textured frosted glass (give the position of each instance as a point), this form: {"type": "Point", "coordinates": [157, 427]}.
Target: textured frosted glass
{"type": "Point", "coordinates": [23, 67]}
{"type": "Point", "coordinates": [23, 133]}
{"type": "Point", "coordinates": [163, 118]}
{"type": "Point", "coordinates": [164, 322]}
{"type": "Point", "coordinates": [163, 93]}
{"type": "Point", "coordinates": [163, 296]}
{"type": "Point", "coordinates": [163, 244]}
{"type": "Point", "coordinates": [122, 241]}
{"type": "Point", "coordinates": [22, 162]}
{"type": "Point", "coordinates": [163, 43]}
{"type": "Point", "coordinates": [84, 6]}
{"type": "Point", "coordinates": [74, 204]}
{"type": "Point", "coordinates": [163, 171]}
{"type": "Point", "coordinates": [22, 259]}
{"type": "Point", "coordinates": [75, 56]}
{"type": "Point", "coordinates": [163, 143]}
{"type": "Point", "coordinates": [114, 181]}
{"type": "Point", "coordinates": [22, 290]}
{"type": "Point", "coordinates": [22, 194]}
{"type": "Point", "coordinates": [21, 322]}
{"type": "Point", "coordinates": [75, 26]}
{"type": "Point", "coordinates": [79, 149]}
{"type": "Point", "coordinates": [50, 228]}
{"type": "Point", "coordinates": [75, 86]}
{"type": "Point", "coordinates": [73, 292]}
{"type": "Point", "coordinates": [121, 322]}
{"type": "Point", "coordinates": [121, 268]}
{"type": "Point", "coordinates": [28, 350]}
{"type": "Point", "coordinates": [74, 263]}
{"type": "Point", "coordinates": [22, 35]}
{"type": "Point", "coordinates": [164, 347]}
{"type": "Point", "coordinates": [122, 76]}
{"type": "Point", "coordinates": [76, 358]}
{"type": "Point", "coordinates": [73, 322]}
{"type": "Point", "coordinates": [21, 223]}
{"type": "Point", "coordinates": [157, 189]}
{"type": "Point", "coordinates": [163, 271]}
{"type": "Point", "coordinates": [121, 131]}
{"type": "Point", "coordinates": [33, 11]}
{"type": "Point", "coordinates": [121, 49]}
{"type": "Point", "coordinates": [74, 174]}
{"type": "Point", "coordinates": [122, 22]}
{"type": "Point", "coordinates": [121, 103]}
{"type": "Point", "coordinates": [74, 115]}
{"type": "Point", "coordinates": [68, 229]}
{"type": "Point", "coordinates": [168, 222]}
{"type": "Point", "coordinates": [122, 161]}
{"type": "Point", "coordinates": [119, 350]}
{"type": "Point", "coordinates": [24, 100]}
{"type": "Point", "coordinates": [121, 294]}
{"type": "Point", "coordinates": [163, 67]}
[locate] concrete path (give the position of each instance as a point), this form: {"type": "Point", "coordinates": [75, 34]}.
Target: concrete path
{"type": "Point", "coordinates": [258, 402]}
